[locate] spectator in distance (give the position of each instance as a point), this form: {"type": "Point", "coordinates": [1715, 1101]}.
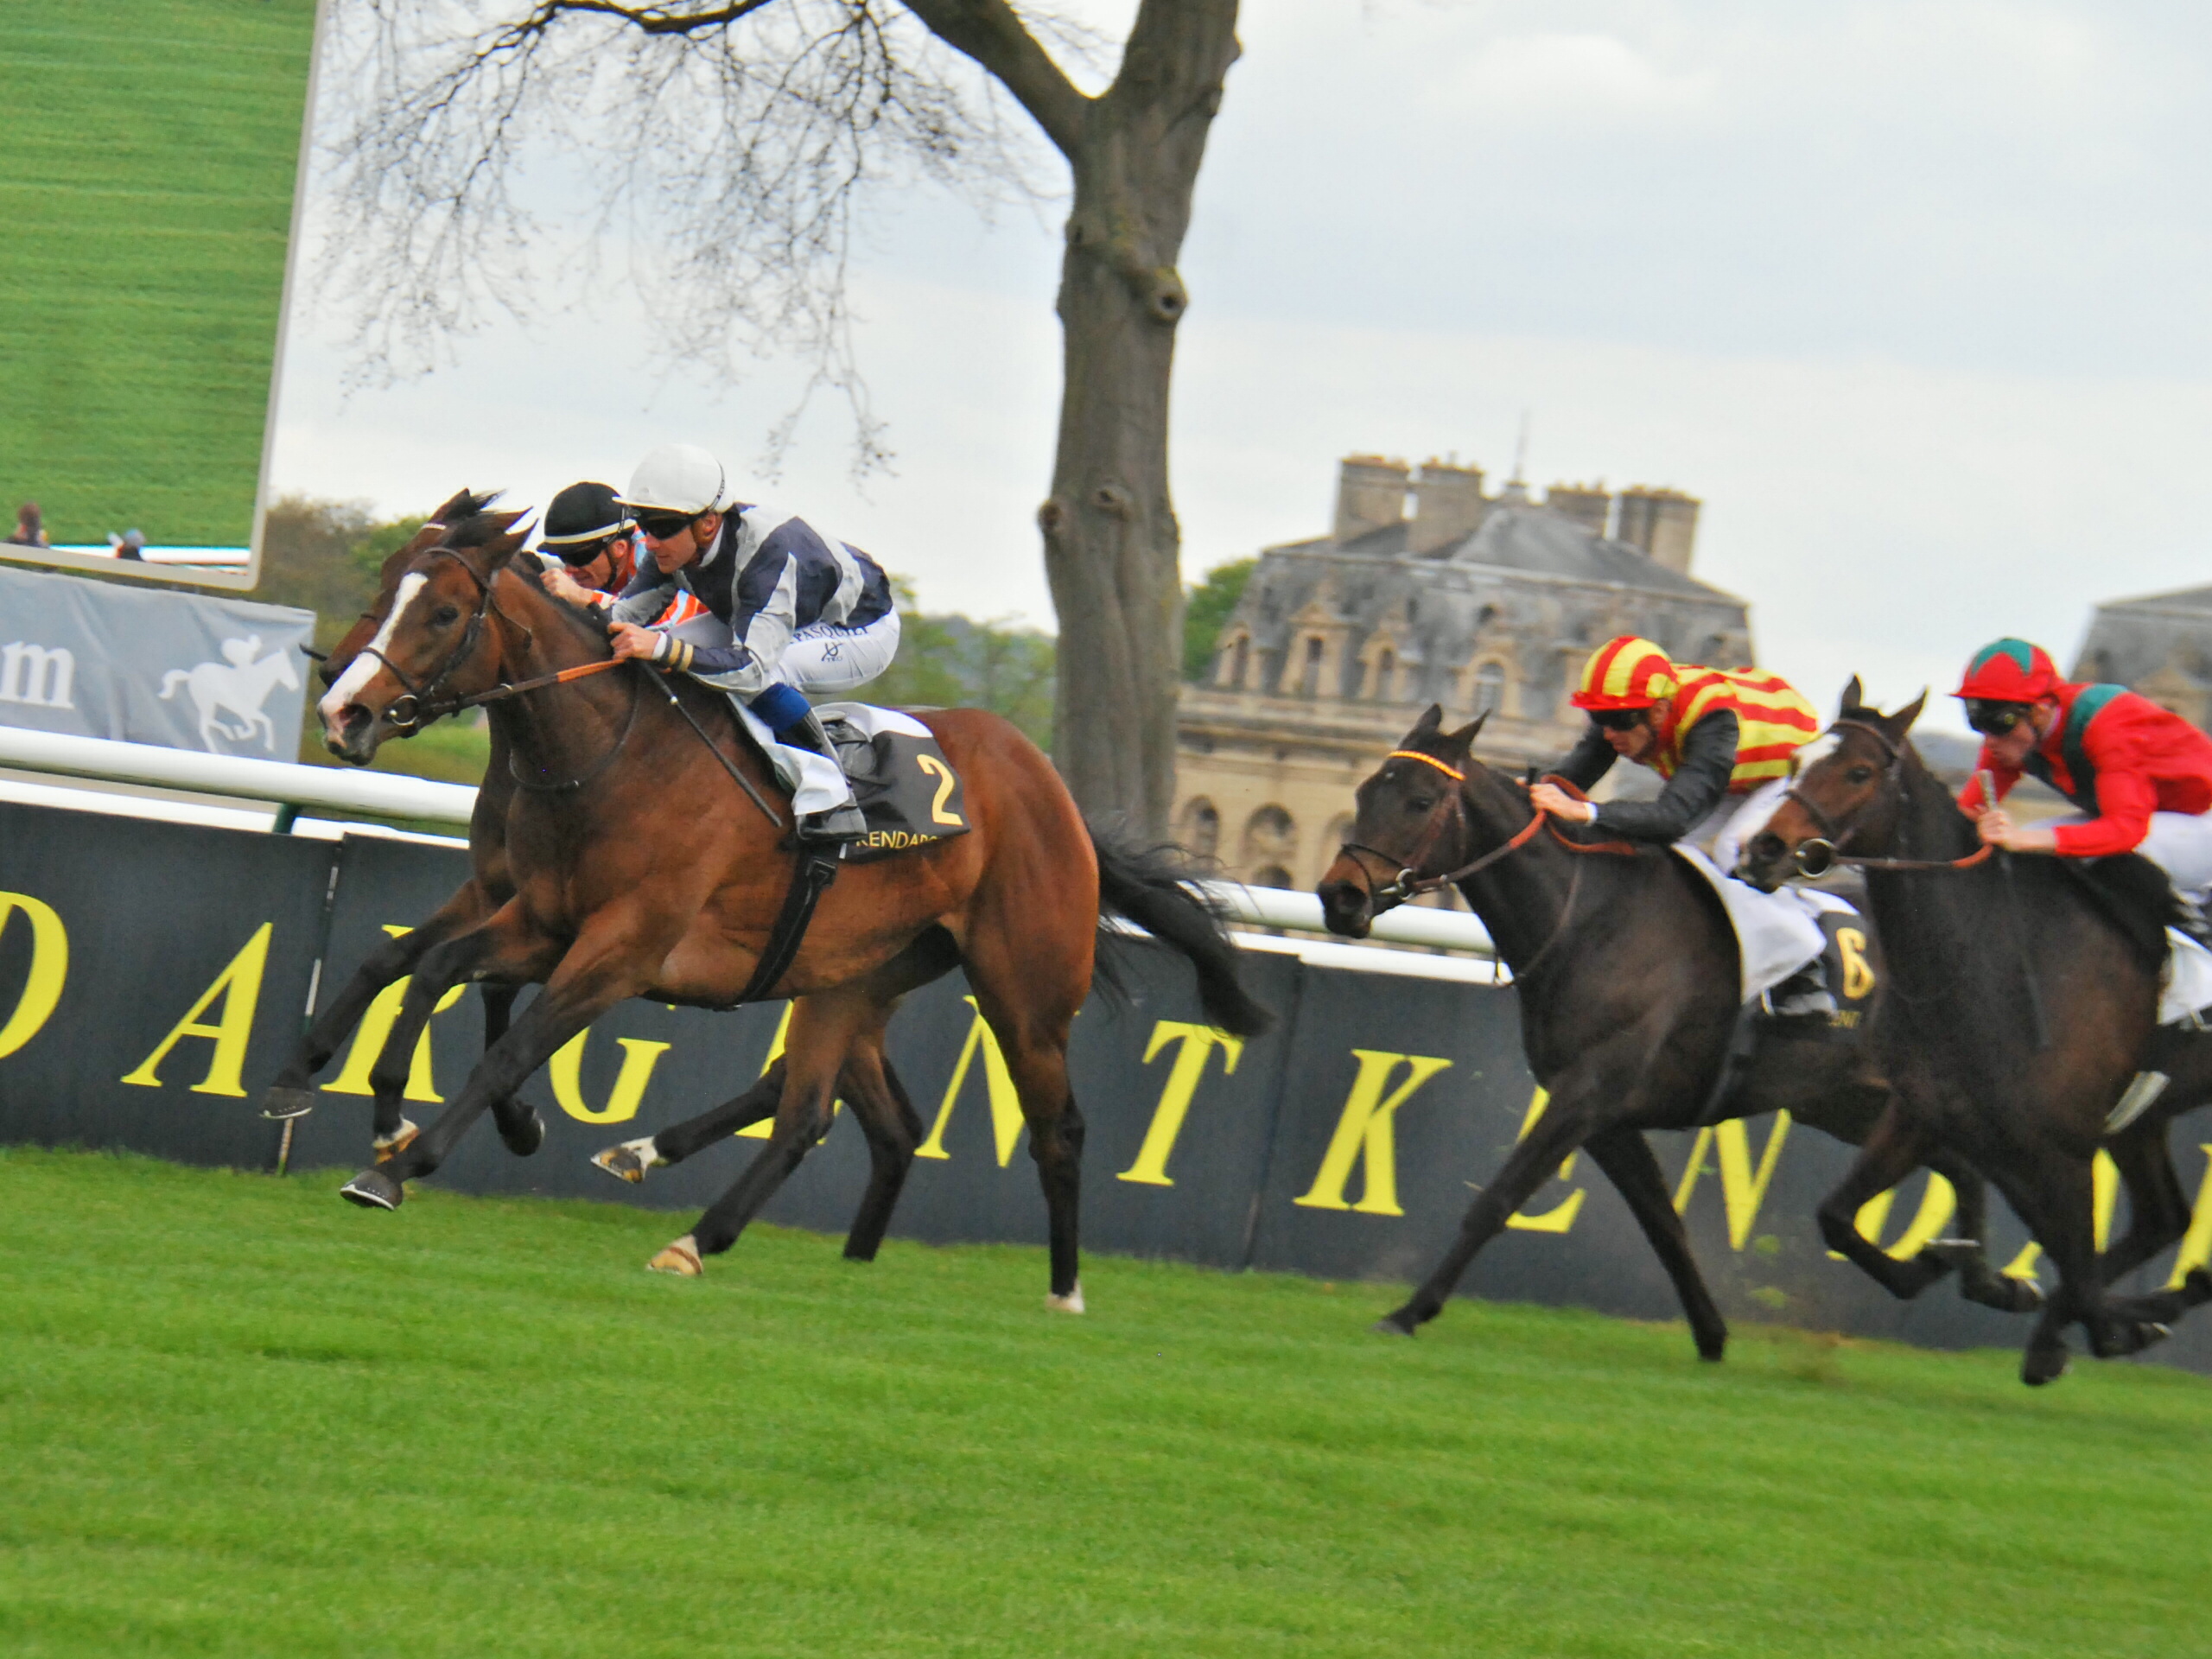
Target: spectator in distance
{"type": "Point", "coordinates": [131, 544]}
{"type": "Point", "coordinates": [30, 527]}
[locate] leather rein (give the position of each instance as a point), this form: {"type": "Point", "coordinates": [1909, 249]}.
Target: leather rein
{"type": "Point", "coordinates": [1410, 883]}
{"type": "Point", "coordinates": [1835, 835]}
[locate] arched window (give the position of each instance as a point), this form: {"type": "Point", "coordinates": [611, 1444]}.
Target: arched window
{"type": "Point", "coordinates": [1241, 665]}
{"type": "Point", "coordinates": [1386, 675]}
{"type": "Point", "coordinates": [1270, 841]}
{"type": "Point", "coordinates": [1309, 674]}
{"type": "Point", "coordinates": [1201, 827]}
{"type": "Point", "coordinates": [1489, 688]}
{"type": "Point", "coordinates": [1271, 875]}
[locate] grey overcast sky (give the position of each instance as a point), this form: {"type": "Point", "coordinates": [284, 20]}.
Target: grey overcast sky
{"type": "Point", "coordinates": [1913, 294]}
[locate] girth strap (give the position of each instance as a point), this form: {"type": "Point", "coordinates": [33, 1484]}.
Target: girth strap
{"type": "Point", "coordinates": [812, 871]}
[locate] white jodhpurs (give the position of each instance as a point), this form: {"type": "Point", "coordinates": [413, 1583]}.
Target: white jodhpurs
{"type": "Point", "coordinates": [825, 658]}
{"type": "Point", "coordinates": [1722, 832]}
{"type": "Point", "coordinates": [2180, 844]}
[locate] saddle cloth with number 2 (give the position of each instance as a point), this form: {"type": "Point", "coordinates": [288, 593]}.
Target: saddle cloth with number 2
{"type": "Point", "coordinates": [906, 789]}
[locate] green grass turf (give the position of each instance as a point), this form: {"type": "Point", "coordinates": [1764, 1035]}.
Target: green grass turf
{"type": "Point", "coordinates": [146, 167]}
{"type": "Point", "coordinates": [242, 1418]}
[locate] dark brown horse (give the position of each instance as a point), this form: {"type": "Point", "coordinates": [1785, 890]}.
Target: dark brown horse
{"type": "Point", "coordinates": [640, 869]}
{"type": "Point", "coordinates": [2022, 999]}
{"type": "Point", "coordinates": [1626, 968]}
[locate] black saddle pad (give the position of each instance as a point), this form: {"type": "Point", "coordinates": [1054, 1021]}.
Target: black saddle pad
{"type": "Point", "coordinates": [906, 789]}
{"type": "Point", "coordinates": [1851, 963]}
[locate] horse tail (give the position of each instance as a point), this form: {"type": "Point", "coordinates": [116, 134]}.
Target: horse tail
{"type": "Point", "coordinates": [171, 680]}
{"type": "Point", "coordinates": [1155, 888]}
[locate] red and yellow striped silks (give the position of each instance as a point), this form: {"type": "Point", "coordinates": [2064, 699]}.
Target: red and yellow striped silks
{"type": "Point", "coordinates": [1773, 721]}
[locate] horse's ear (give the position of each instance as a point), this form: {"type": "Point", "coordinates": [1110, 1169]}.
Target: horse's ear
{"type": "Point", "coordinates": [1854, 697]}
{"type": "Point", "coordinates": [1898, 724]}
{"type": "Point", "coordinates": [502, 547]}
{"type": "Point", "coordinates": [1463, 740]}
{"type": "Point", "coordinates": [1426, 726]}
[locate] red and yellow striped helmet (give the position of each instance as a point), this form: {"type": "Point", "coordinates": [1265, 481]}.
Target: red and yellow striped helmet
{"type": "Point", "coordinates": [1626, 673]}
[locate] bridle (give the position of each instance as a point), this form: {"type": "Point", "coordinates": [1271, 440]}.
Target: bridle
{"type": "Point", "coordinates": [1410, 883]}
{"type": "Point", "coordinates": [1836, 833]}
{"type": "Point", "coordinates": [420, 708]}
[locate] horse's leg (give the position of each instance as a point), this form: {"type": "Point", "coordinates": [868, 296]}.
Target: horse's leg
{"type": "Point", "coordinates": [436, 974]}
{"type": "Point", "coordinates": [289, 1095]}
{"type": "Point", "coordinates": [1625, 1156]}
{"type": "Point", "coordinates": [1894, 1147]}
{"type": "Point", "coordinates": [1601, 1089]}
{"type": "Point", "coordinates": [2158, 1207]}
{"type": "Point", "coordinates": [628, 1161]}
{"type": "Point", "coordinates": [1968, 1248]}
{"type": "Point", "coordinates": [894, 1128]}
{"type": "Point", "coordinates": [520, 1128]}
{"type": "Point", "coordinates": [822, 1027]}
{"type": "Point", "coordinates": [601, 967]}
{"type": "Point", "coordinates": [1029, 1001]}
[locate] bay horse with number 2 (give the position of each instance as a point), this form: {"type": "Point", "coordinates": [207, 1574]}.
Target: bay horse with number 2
{"type": "Point", "coordinates": [640, 869]}
{"type": "Point", "coordinates": [1627, 972]}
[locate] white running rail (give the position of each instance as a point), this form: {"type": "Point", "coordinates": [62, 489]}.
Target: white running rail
{"type": "Point", "coordinates": [389, 795]}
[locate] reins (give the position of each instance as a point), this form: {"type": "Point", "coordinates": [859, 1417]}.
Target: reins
{"type": "Point", "coordinates": [1835, 837]}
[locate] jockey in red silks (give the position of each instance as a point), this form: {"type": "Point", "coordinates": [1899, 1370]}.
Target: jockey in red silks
{"type": "Point", "coordinates": [2140, 776]}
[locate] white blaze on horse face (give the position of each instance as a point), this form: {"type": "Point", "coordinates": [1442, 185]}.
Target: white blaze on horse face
{"type": "Point", "coordinates": [1817, 751]}
{"type": "Point", "coordinates": [364, 667]}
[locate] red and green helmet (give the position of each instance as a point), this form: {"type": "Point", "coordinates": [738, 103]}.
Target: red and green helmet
{"type": "Point", "coordinates": [2009, 670]}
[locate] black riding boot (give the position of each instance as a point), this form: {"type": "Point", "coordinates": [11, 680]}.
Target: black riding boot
{"type": "Point", "coordinates": [838, 823]}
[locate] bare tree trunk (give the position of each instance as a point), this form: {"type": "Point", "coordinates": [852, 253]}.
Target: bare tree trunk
{"type": "Point", "coordinates": [1112, 546]}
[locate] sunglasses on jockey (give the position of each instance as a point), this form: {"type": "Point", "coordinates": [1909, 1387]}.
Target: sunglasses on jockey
{"type": "Point", "coordinates": [577, 555]}
{"type": "Point", "coordinates": [1994, 719]}
{"type": "Point", "coordinates": [1619, 719]}
{"type": "Point", "coordinates": [662, 526]}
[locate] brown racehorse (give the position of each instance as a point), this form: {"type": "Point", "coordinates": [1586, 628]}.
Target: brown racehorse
{"type": "Point", "coordinates": [1978, 948]}
{"type": "Point", "coordinates": [1627, 973]}
{"type": "Point", "coordinates": [640, 868]}
{"type": "Point", "coordinates": [488, 887]}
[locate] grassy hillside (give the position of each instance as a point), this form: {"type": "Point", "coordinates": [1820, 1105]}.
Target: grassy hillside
{"type": "Point", "coordinates": [146, 177]}
{"type": "Point", "coordinates": [245, 1418]}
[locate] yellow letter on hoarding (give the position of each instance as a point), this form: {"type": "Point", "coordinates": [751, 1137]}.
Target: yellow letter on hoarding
{"type": "Point", "coordinates": [566, 1070]}
{"type": "Point", "coordinates": [1936, 1205]}
{"type": "Point", "coordinates": [1005, 1104]}
{"type": "Point", "coordinates": [1742, 1189]}
{"type": "Point", "coordinates": [2196, 1243]}
{"type": "Point", "coordinates": [1197, 1042]}
{"type": "Point", "coordinates": [370, 1036]}
{"type": "Point", "coordinates": [239, 987]}
{"type": "Point", "coordinates": [1365, 1134]}
{"type": "Point", "coordinates": [1561, 1216]}
{"type": "Point", "coordinates": [49, 969]}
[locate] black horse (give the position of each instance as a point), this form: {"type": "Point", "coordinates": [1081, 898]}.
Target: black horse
{"type": "Point", "coordinates": [1627, 971]}
{"type": "Point", "coordinates": [2022, 999]}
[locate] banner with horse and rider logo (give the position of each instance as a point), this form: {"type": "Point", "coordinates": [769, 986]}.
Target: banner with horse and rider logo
{"type": "Point", "coordinates": [151, 666]}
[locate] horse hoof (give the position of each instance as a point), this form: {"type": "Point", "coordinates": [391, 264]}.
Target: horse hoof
{"type": "Point", "coordinates": [1070, 1303]}
{"type": "Point", "coordinates": [1399, 1324]}
{"type": "Point", "coordinates": [387, 1148]}
{"type": "Point", "coordinates": [526, 1133]}
{"type": "Point", "coordinates": [681, 1258]}
{"type": "Point", "coordinates": [374, 1190]}
{"type": "Point", "coordinates": [281, 1103]}
{"type": "Point", "coordinates": [2044, 1366]}
{"type": "Point", "coordinates": [628, 1162]}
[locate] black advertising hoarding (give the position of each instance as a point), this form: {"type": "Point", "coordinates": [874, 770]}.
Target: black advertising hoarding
{"type": "Point", "coordinates": [153, 976]}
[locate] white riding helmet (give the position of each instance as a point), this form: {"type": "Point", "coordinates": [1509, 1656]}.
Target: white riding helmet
{"type": "Point", "coordinates": [677, 478]}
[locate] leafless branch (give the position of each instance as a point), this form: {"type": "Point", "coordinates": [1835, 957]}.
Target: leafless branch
{"type": "Point", "coordinates": [486, 147]}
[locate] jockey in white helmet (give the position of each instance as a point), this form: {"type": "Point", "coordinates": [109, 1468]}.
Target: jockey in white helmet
{"type": "Point", "coordinates": [806, 611]}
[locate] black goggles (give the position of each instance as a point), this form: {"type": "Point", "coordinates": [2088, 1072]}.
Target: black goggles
{"type": "Point", "coordinates": [577, 555]}
{"type": "Point", "coordinates": [661, 526]}
{"type": "Point", "coordinates": [1618, 720]}
{"type": "Point", "coordinates": [1994, 719]}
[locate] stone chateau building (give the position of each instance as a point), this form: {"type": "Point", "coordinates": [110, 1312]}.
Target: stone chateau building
{"type": "Point", "coordinates": [2160, 646]}
{"type": "Point", "coordinates": [1427, 590]}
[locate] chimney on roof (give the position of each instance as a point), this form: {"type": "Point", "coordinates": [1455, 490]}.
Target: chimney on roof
{"type": "Point", "coordinates": [1370, 495]}
{"type": "Point", "coordinates": [1662, 522]}
{"type": "Point", "coordinates": [1448, 503]}
{"type": "Point", "coordinates": [1590, 506]}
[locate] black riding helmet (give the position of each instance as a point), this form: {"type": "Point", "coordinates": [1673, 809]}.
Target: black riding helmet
{"type": "Point", "coordinates": [582, 521]}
